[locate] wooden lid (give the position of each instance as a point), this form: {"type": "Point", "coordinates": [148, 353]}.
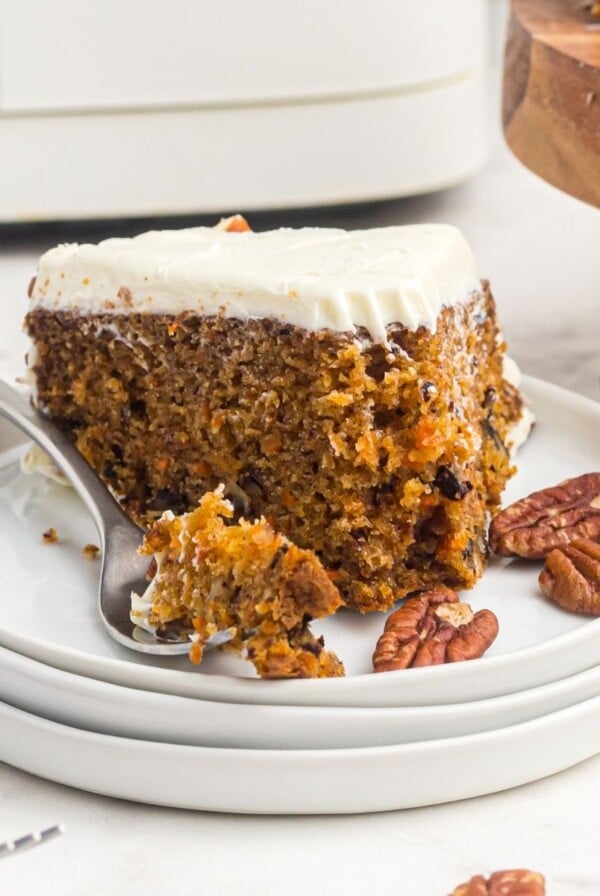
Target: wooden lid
{"type": "Point", "coordinates": [551, 102]}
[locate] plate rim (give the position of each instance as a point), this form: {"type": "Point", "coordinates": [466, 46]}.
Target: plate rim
{"type": "Point", "coordinates": [461, 741]}
{"type": "Point", "coordinates": [84, 684]}
{"type": "Point", "coordinates": [324, 769]}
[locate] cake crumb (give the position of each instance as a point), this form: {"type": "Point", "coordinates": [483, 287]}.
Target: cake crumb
{"type": "Point", "coordinates": [234, 224]}
{"type": "Point", "coordinates": [50, 536]}
{"type": "Point", "coordinates": [91, 551]}
{"type": "Point", "coordinates": [244, 578]}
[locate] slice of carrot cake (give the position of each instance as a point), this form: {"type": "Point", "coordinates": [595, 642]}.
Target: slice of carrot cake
{"type": "Point", "coordinates": [347, 386]}
{"type": "Point", "coordinates": [245, 579]}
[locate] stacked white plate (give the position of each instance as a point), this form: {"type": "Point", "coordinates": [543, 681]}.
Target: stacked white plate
{"type": "Point", "coordinates": [79, 709]}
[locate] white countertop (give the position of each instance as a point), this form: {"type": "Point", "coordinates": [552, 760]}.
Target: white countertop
{"type": "Point", "coordinates": [540, 251]}
{"type": "Point", "coordinates": [114, 848]}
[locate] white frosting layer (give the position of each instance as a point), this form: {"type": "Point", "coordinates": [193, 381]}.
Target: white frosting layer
{"type": "Point", "coordinates": [313, 277]}
{"type": "Point", "coordinates": [521, 431]}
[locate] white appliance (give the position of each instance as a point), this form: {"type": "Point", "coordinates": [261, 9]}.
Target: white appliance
{"type": "Point", "coordinates": [148, 107]}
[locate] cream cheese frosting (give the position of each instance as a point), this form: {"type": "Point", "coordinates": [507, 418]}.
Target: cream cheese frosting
{"type": "Point", "coordinates": [316, 278]}
{"type": "Point", "coordinates": [520, 432]}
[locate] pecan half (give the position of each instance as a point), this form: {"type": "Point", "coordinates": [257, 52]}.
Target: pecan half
{"type": "Point", "coordinates": [571, 577]}
{"type": "Point", "coordinates": [548, 519]}
{"type": "Point", "coordinates": [504, 883]}
{"type": "Point", "coordinates": [433, 628]}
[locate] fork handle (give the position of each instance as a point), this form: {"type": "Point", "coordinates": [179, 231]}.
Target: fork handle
{"type": "Point", "coordinates": [105, 510]}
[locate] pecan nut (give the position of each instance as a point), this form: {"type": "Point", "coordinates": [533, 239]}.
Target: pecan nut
{"type": "Point", "coordinates": [548, 519]}
{"type": "Point", "coordinates": [571, 577]}
{"type": "Point", "coordinates": [433, 628]}
{"type": "Point", "coordinates": [504, 883]}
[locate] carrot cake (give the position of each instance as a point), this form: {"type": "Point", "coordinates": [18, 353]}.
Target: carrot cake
{"type": "Point", "coordinates": [213, 575]}
{"type": "Point", "coordinates": [347, 386]}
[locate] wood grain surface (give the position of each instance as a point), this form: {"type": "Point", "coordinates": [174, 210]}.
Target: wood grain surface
{"type": "Point", "coordinates": [551, 101]}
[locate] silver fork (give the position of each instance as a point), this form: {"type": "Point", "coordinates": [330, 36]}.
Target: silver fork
{"type": "Point", "coordinates": [10, 847]}
{"type": "Point", "coordinates": [123, 569]}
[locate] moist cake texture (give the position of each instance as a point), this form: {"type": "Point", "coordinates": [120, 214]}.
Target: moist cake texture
{"type": "Point", "coordinates": [243, 578]}
{"type": "Point", "coordinates": [358, 403]}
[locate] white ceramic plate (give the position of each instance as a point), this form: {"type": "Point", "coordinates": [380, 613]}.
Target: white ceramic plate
{"type": "Point", "coordinates": [126, 712]}
{"type": "Point", "coordinates": [301, 781]}
{"type": "Point", "coordinates": [48, 605]}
